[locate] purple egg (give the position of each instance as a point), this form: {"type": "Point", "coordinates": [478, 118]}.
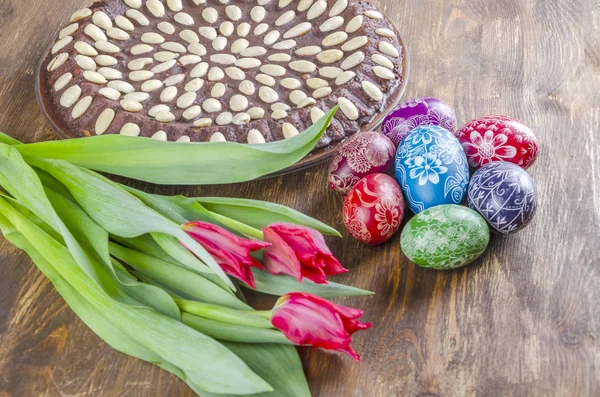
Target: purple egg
{"type": "Point", "coordinates": [415, 113]}
{"type": "Point", "coordinates": [362, 154]}
{"type": "Point", "coordinates": [505, 195]}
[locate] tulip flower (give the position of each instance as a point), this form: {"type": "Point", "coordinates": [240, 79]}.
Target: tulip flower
{"type": "Point", "coordinates": [230, 251]}
{"type": "Point", "coordinates": [310, 320]}
{"type": "Point", "coordinates": [299, 251]}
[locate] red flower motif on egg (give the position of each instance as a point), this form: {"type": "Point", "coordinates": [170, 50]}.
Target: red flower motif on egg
{"type": "Point", "coordinates": [498, 138]}
{"type": "Point", "coordinates": [487, 148]}
{"type": "Point", "coordinates": [388, 217]}
{"type": "Point", "coordinates": [374, 208]}
{"type": "Point", "coordinates": [353, 222]}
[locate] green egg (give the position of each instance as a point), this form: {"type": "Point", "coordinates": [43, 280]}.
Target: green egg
{"type": "Point", "coordinates": [445, 237]}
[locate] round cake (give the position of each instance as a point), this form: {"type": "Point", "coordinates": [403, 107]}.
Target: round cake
{"type": "Point", "coordinates": [247, 71]}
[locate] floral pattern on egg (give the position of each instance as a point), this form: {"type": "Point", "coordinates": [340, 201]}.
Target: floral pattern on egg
{"type": "Point", "coordinates": [360, 155]}
{"type": "Point", "coordinates": [415, 113]}
{"type": "Point", "coordinates": [445, 237]}
{"type": "Point", "coordinates": [432, 168]}
{"type": "Point", "coordinates": [498, 138]}
{"type": "Point", "coordinates": [374, 208]}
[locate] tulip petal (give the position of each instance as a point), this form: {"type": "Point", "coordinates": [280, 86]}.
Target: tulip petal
{"type": "Point", "coordinates": [310, 320]}
{"type": "Point", "coordinates": [230, 251]}
{"type": "Point", "coordinates": [313, 258]}
{"type": "Point", "coordinates": [279, 257]}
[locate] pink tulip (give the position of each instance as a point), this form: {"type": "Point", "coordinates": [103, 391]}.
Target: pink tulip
{"type": "Point", "coordinates": [309, 320]}
{"type": "Point", "coordinates": [299, 252]}
{"type": "Point", "coordinates": [230, 251]}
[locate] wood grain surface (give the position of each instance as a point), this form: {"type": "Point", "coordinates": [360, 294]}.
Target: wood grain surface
{"type": "Point", "coordinates": [522, 321]}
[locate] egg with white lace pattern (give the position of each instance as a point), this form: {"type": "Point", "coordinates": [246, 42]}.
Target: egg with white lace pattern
{"type": "Point", "coordinates": [505, 195]}
{"type": "Point", "coordinates": [417, 112]}
{"type": "Point", "coordinates": [432, 168]}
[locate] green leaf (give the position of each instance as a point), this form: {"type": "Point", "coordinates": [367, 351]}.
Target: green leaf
{"type": "Point", "coordinates": [283, 284]}
{"type": "Point", "coordinates": [180, 281]}
{"type": "Point", "coordinates": [260, 214]}
{"type": "Point", "coordinates": [279, 365]}
{"type": "Point", "coordinates": [117, 211]}
{"type": "Point", "coordinates": [145, 244]}
{"type": "Point", "coordinates": [95, 240]}
{"type": "Point", "coordinates": [205, 363]}
{"type": "Point", "coordinates": [101, 326]}
{"type": "Point", "coordinates": [20, 181]}
{"type": "Point", "coordinates": [7, 140]}
{"type": "Point", "coordinates": [171, 163]}
{"type": "Point", "coordinates": [181, 209]}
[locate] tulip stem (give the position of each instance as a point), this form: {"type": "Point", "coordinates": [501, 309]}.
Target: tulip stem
{"type": "Point", "coordinates": [261, 313]}
{"type": "Point", "coordinates": [223, 314]}
{"type": "Point", "coordinates": [237, 225]}
{"type": "Point", "coordinates": [234, 332]}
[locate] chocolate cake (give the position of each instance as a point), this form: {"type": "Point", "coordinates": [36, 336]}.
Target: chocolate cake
{"type": "Point", "coordinates": [247, 71]}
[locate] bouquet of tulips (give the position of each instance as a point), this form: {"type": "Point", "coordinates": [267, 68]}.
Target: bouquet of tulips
{"type": "Point", "coordinates": [159, 278]}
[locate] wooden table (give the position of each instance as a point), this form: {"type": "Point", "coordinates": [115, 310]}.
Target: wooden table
{"type": "Point", "coordinates": [523, 321]}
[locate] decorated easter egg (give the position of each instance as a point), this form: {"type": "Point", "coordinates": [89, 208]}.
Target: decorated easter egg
{"type": "Point", "coordinates": [415, 113]}
{"type": "Point", "coordinates": [445, 237]}
{"type": "Point", "coordinates": [505, 195]}
{"type": "Point", "coordinates": [373, 209]}
{"type": "Point", "coordinates": [498, 138]}
{"type": "Point", "coordinates": [432, 168]}
{"type": "Point", "coordinates": [362, 154]}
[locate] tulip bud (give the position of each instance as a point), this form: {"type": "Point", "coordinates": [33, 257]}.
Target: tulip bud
{"type": "Point", "coordinates": [299, 252]}
{"type": "Point", "coordinates": [230, 251]}
{"type": "Point", "coordinates": [310, 320]}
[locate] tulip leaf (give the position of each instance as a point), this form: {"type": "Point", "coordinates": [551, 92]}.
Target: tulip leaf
{"type": "Point", "coordinates": [95, 239]}
{"type": "Point", "coordinates": [117, 211]}
{"type": "Point", "coordinates": [283, 284]}
{"type": "Point", "coordinates": [260, 214]}
{"type": "Point", "coordinates": [279, 365]}
{"type": "Point", "coordinates": [203, 362]}
{"type": "Point", "coordinates": [147, 244]}
{"type": "Point", "coordinates": [98, 323]}
{"type": "Point", "coordinates": [183, 209]}
{"type": "Point", "coordinates": [179, 209]}
{"type": "Point", "coordinates": [8, 140]}
{"type": "Point", "coordinates": [172, 163]}
{"type": "Point", "coordinates": [184, 283]}
{"type": "Point", "coordinates": [23, 184]}
{"type": "Point", "coordinates": [83, 309]}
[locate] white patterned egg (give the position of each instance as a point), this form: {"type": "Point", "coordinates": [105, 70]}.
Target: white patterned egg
{"type": "Point", "coordinates": [415, 113]}
{"type": "Point", "coordinates": [505, 195]}
{"type": "Point", "coordinates": [432, 168]}
{"type": "Point", "coordinates": [445, 237]}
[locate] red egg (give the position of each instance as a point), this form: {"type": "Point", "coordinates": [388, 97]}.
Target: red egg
{"type": "Point", "coordinates": [374, 208]}
{"type": "Point", "coordinates": [498, 138]}
{"type": "Point", "coordinates": [362, 154]}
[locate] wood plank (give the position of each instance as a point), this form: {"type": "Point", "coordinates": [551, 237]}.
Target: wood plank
{"type": "Point", "coordinates": [521, 321]}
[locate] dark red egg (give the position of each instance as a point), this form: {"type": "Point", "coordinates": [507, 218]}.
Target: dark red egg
{"type": "Point", "coordinates": [374, 208]}
{"type": "Point", "coordinates": [498, 138]}
{"type": "Point", "coordinates": [362, 154]}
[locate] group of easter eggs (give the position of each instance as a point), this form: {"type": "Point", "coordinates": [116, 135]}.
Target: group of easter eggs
{"type": "Point", "coordinates": [438, 168]}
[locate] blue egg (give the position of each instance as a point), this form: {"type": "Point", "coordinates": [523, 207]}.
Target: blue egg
{"type": "Point", "coordinates": [505, 195]}
{"type": "Point", "coordinates": [432, 168]}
